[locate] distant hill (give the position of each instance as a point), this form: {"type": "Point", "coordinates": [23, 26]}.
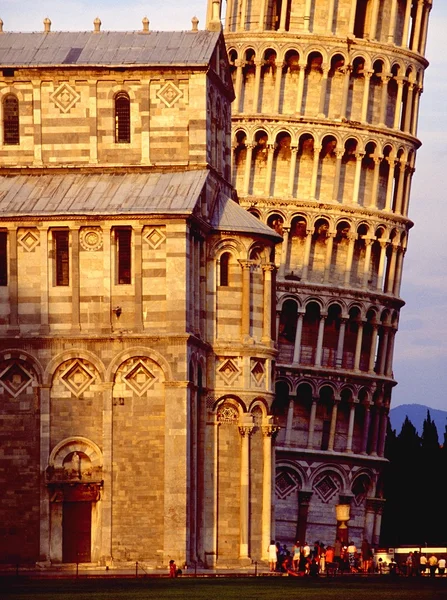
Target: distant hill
{"type": "Point", "coordinates": [417, 414]}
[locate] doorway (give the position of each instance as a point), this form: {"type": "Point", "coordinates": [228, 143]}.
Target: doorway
{"type": "Point", "coordinates": [76, 532]}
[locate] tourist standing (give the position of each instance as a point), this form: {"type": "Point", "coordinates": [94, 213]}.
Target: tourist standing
{"type": "Point", "coordinates": [432, 565]}
{"type": "Point", "coordinates": [273, 555]}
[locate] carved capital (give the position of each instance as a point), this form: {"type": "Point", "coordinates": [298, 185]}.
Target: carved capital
{"type": "Point", "coordinates": [246, 430]}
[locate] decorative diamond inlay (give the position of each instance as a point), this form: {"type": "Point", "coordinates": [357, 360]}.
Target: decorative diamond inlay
{"type": "Point", "coordinates": [229, 370]}
{"type": "Point", "coordinates": [258, 371]}
{"type": "Point", "coordinates": [139, 378]}
{"type": "Point", "coordinates": [15, 378]}
{"type": "Point", "coordinates": [169, 94]}
{"type": "Point", "coordinates": [285, 484]}
{"type": "Point", "coordinates": [326, 488]}
{"type": "Point", "coordinates": [77, 378]}
{"type": "Point", "coordinates": [65, 97]}
{"type": "Point", "coordinates": [28, 240]}
{"type": "Point", "coordinates": [154, 237]}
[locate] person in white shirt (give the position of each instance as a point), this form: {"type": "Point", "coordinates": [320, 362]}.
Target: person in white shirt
{"type": "Point", "coordinates": [441, 566]}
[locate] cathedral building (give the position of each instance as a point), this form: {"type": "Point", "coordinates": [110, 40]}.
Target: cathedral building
{"type": "Point", "coordinates": [202, 237]}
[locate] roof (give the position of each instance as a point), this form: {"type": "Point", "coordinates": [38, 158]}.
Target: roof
{"type": "Point", "coordinates": [230, 216]}
{"type": "Point", "coordinates": [100, 194]}
{"type": "Point", "coordinates": [107, 48]}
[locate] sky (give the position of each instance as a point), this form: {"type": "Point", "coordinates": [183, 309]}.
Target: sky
{"type": "Point", "coordinates": [420, 357]}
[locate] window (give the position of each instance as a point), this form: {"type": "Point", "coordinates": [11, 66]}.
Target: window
{"type": "Point", "coordinates": [3, 258]}
{"type": "Point", "coordinates": [124, 255]}
{"type": "Point", "coordinates": [122, 119]}
{"type": "Point", "coordinates": [225, 269]}
{"type": "Point", "coordinates": [11, 120]}
{"type": "Point", "coordinates": [61, 253]}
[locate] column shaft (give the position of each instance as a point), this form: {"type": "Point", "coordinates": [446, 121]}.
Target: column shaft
{"type": "Point", "coordinates": [350, 428]}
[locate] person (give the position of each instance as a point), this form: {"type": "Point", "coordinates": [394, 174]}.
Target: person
{"type": "Point", "coordinates": [296, 555]}
{"type": "Point", "coordinates": [409, 565]}
{"type": "Point", "coordinates": [352, 550]}
{"type": "Point", "coordinates": [393, 568]}
{"type": "Point", "coordinates": [273, 555]}
{"type": "Point", "coordinates": [423, 564]}
{"type": "Point", "coordinates": [432, 565]}
{"type": "Point", "coordinates": [337, 551]}
{"type": "Point", "coordinates": [322, 558]}
{"type": "Point", "coordinates": [366, 556]}
{"type": "Point", "coordinates": [172, 568]}
{"type": "Point", "coordinates": [441, 566]}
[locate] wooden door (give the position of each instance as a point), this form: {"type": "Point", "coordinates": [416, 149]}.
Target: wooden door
{"type": "Point", "coordinates": [76, 532]}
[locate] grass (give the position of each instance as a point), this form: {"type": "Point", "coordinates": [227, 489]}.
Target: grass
{"type": "Point", "coordinates": [260, 588]}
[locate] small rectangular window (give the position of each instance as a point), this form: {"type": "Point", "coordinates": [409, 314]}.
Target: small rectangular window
{"type": "Point", "coordinates": [11, 120]}
{"type": "Point", "coordinates": [61, 252]}
{"type": "Point", "coordinates": [3, 258]}
{"type": "Point", "coordinates": [124, 255]}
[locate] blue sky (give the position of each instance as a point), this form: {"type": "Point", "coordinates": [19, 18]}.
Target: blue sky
{"type": "Point", "coordinates": [420, 359]}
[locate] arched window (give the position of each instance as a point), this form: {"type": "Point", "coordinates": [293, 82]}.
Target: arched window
{"type": "Point", "coordinates": [225, 269]}
{"type": "Point", "coordinates": [11, 120]}
{"type": "Point", "coordinates": [122, 118]}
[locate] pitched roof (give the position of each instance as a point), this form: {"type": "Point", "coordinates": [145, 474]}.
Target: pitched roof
{"type": "Point", "coordinates": [230, 216]}
{"type": "Point", "coordinates": [100, 194]}
{"type": "Point", "coordinates": [107, 48]}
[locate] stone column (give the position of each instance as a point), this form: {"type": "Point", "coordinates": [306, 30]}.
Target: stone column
{"type": "Point", "coordinates": [406, 126]}
{"type": "Point", "coordinates": [138, 270]}
{"type": "Point", "coordinates": [238, 86]}
{"type": "Point", "coordinates": [229, 15]}
{"type": "Point", "coordinates": [417, 26]}
{"type": "Point", "coordinates": [258, 66]}
{"type": "Point", "coordinates": [358, 347]}
{"type": "Point", "coordinates": [313, 413]}
{"type": "Point", "coordinates": [350, 428]}
{"type": "Point", "coordinates": [283, 16]}
{"type": "Point", "coordinates": [293, 158]}
{"type": "Point", "coordinates": [107, 449]}
{"type": "Point", "coordinates": [268, 431]}
{"type": "Point", "coordinates": [383, 349]}
{"type": "Point", "coordinates": [268, 176]}
{"type": "Point", "coordinates": [306, 259]}
{"type": "Point", "coordinates": [298, 333]}
{"type": "Point", "coordinates": [245, 431]}
{"type": "Point", "coordinates": [366, 428]}
{"type": "Point", "coordinates": [352, 18]}
{"type": "Point", "coordinates": [284, 251]}
{"type": "Point", "coordinates": [75, 281]}
{"type": "Point", "coordinates": [340, 344]}
{"type": "Point", "coordinates": [407, 194]}
{"type": "Point", "coordinates": [398, 108]}
{"type": "Point", "coordinates": [406, 29]}
{"type": "Point", "coordinates": [307, 10]}
{"type": "Point", "coordinates": [358, 171]}
{"type": "Point", "coordinates": [392, 25]}
{"type": "Point", "coordinates": [13, 282]}
{"type": "Point", "coordinates": [330, 16]}
{"type": "Point", "coordinates": [44, 281]}
{"type": "Point", "coordinates": [246, 307]}
{"type": "Point", "coordinates": [299, 94]}
{"type": "Point", "coordinates": [400, 188]}
{"type": "Point", "coordinates": [261, 24]}
{"type": "Point", "coordinates": [424, 29]}
{"type": "Point", "coordinates": [367, 263]}
{"type": "Point", "coordinates": [368, 531]}
{"type": "Point", "coordinates": [241, 16]}
{"type": "Point", "coordinates": [374, 17]}
{"type": "Point", "coordinates": [399, 268]}
{"type": "Point", "coordinates": [328, 259]}
{"type": "Point", "coordinates": [389, 284]}
{"type": "Point", "coordinates": [289, 424]}
{"type": "Point", "coordinates": [344, 100]}
{"type": "Point", "coordinates": [372, 350]}
{"type": "Point", "coordinates": [44, 517]}
{"type": "Point", "coordinates": [349, 257]}
{"type": "Point", "coordinates": [339, 156]}
{"type": "Point", "coordinates": [373, 200]}
{"type": "Point", "coordinates": [316, 164]}
{"type": "Point", "coordinates": [365, 102]}
{"type": "Point", "coordinates": [319, 351]}
{"type": "Point", "coordinates": [415, 115]}
{"type": "Point", "coordinates": [247, 171]}
{"type": "Point", "coordinates": [333, 426]}
{"type": "Point", "coordinates": [278, 84]}
{"type": "Point", "coordinates": [389, 186]}
{"type": "Point", "coordinates": [268, 291]}
{"type": "Point", "coordinates": [323, 91]}
{"type": "Point", "coordinates": [389, 354]}
{"type": "Point", "coordinates": [383, 246]}
{"type": "Point", "coordinates": [375, 432]}
{"type": "Point", "coordinates": [377, 521]}
{"type": "Point", "coordinates": [303, 513]}
{"type": "Point", "coordinates": [384, 98]}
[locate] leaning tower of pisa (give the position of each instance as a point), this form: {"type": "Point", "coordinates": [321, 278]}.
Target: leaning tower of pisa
{"type": "Point", "coordinates": [324, 144]}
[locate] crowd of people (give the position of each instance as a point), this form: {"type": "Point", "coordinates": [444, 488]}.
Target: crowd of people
{"type": "Point", "coordinates": [303, 559]}
{"type": "Point", "coordinates": [418, 564]}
